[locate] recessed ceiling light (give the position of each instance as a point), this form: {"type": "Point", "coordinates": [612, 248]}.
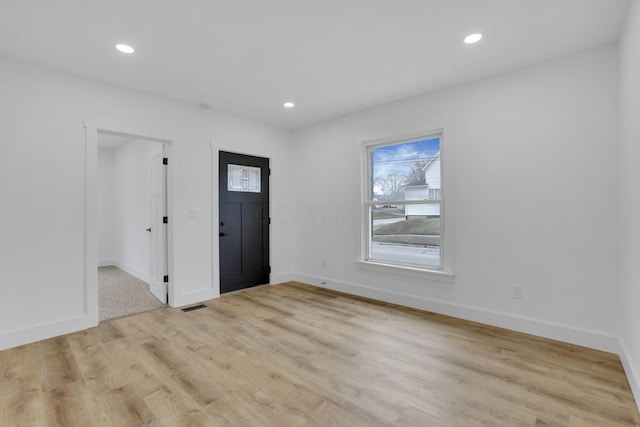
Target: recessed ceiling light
{"type": "Point", "coordinates": [289, 105]}
{"type": "Point", "coordinates": [473, 38]}
{"type": "Point", "coordinates": [125, 48]}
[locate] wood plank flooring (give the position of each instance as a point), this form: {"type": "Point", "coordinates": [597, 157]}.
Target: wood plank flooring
{"type": "Point", "coordinates": [296, 355]}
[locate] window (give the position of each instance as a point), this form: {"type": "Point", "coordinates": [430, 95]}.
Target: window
{"type": "Point", "coordinates": [243, 178]}
{"type": "Point", "coordinates": [403, 203]}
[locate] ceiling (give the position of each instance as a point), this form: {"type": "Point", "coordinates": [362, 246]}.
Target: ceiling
{"type": "Point", "coordinates": [330, 57]}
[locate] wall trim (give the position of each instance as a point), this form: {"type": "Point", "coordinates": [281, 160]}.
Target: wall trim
{"type": "Point", "coordinates": [553, 331]}
{"type": "Point", "coordinates": [44, 331]}
{"type": "Point", "coordinates": [215, 210]}
{"type": "Point", "coordinates": [130, 128]}
{"type": "Point", "coordinates": [194, 297]}
{"type": "Point", "coordinates": [631, 370]}
{"type": "Point", "coordinates": [282, 278]}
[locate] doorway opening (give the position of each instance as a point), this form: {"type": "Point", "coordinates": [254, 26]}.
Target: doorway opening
{"type": "Point", "coordinates": [132, 224]}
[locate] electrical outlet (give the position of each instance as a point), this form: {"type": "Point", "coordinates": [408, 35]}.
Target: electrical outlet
{"type": "Point", "coordinates": [323, 263]}
{"type": "Point", "coordinates": [516, 292]}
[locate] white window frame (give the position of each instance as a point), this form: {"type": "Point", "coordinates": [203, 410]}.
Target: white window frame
{"type": "Point", "coordinates": [442, 272]}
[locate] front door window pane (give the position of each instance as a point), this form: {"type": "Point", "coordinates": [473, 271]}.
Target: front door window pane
{"type": "Point", "coordinates": [244, 179]}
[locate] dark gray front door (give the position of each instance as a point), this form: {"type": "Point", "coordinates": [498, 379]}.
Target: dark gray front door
{"type": "Point", "coordinates": [244, 221]}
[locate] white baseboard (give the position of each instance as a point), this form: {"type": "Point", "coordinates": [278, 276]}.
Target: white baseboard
{"type": "Point", "coordinates": [632, 372]}
{"type": "Point", "coordinates": [193, 298]}
{"type": "Point", "coordinates": [106, 263]}
{"type": "Point", "coordinates": [281, 278]}
{"type": "Point", "coordinates": [44, 331]}
{"type": "Point", "coordinates": [208, 294]}
{"type": "Point", "coordinates": [132, 271]}
{"type": "Point", "coordinates": [530, 326]}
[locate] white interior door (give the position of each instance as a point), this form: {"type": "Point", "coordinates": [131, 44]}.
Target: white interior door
{"type": "Point", "coordinates": [158, 228]}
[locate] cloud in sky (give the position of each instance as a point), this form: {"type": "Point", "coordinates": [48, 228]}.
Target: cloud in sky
{"type": "Point", "coordinates": [397, 158]}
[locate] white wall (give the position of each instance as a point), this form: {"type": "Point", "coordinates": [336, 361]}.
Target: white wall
{"type": "Point", "coordinates": [42, 187]}
{"type": "Point", "coordinates": [630, 195]}
{"type": "Point", "coordinates": [533, 156]}
{"type": "Point", "coordinates": [534, 165]}
{"type": "Point", "coordinates": [106, 207]}
{"type": "Point", "coordinates": [132, 206]}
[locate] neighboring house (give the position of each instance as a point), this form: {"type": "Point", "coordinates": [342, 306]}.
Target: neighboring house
{"type": "Point", "coordinates": [430, 190]}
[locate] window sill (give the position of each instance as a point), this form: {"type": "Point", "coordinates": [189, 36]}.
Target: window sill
{"type": "Point", "coordinates": [417, 273]}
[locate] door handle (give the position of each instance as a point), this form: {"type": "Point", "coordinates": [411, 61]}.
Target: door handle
{"type": "Point", "coordinates": [221, 234]}
{"type": "Point", "coordinates": [149, 229]}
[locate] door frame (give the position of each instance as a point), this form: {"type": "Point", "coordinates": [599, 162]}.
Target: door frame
{"type": "Point", "coordinates": [132, 130]}
{"type": "Point", "coordinates": [215, 212]}
{"type": "Point", "coordinates": [264, 170]}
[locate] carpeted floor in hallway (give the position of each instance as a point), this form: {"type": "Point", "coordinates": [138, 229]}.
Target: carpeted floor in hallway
{"type": "Point", "coordinates": [121, 294]}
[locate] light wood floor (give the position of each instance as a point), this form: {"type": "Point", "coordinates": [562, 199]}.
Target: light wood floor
{"type": "Point", "coordinates": [295, 355]}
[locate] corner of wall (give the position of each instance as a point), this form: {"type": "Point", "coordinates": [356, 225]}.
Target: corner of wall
{"type": "Point", "coordinates": [132, 271]}
{"type": "Point", "coordinates": [629, 89]}
{"type": "Point", "coordinates": [631, 370]}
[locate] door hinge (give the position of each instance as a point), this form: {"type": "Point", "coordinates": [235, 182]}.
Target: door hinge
{"type": "Point", "coordinates": [269, 221]}
{"type": "Point", "coordinates": [269, 270]}
{"type": "Point", "coordinates": [165, 161]}
{"type": "Point", "coordinates": [269, 171]}
{"type": "Point", "coordinates": [166, 279]}
{"type": "Point", "coordinates": [165, 220]}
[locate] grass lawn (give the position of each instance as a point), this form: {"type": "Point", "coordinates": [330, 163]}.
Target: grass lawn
{"type": "Point", "coordinates": [415, 231]}
{"type": "Point", "coordinates": [386, 213]}
{"type": "Point", "coordinates": [429, 226]}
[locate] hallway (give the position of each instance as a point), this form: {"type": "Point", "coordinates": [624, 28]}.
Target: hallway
{"type": "Point", "coordinates": [121, 294]}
